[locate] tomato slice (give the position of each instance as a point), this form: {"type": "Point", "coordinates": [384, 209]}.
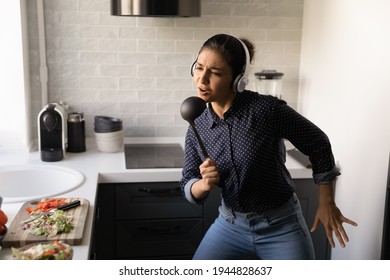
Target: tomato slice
{"type": "Point", "coordinates": [58, 244]}
{"type": "Point", "coordinates": [47, 205]}
{"type": "Point", "coordinates": [48, 253]}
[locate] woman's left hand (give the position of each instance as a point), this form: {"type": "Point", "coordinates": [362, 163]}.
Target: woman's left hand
{"type": "Point", "coordinates": [331, 217]}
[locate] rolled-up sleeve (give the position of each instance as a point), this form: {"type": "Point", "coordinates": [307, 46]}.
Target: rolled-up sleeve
{"type": "Point", "coordinates": [190, 172]}
{"type": "Point", "coordinates": [188, 194]}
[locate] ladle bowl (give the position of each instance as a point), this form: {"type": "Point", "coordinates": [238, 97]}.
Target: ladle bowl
{"type": "Point", "coordinates": [191, 108]}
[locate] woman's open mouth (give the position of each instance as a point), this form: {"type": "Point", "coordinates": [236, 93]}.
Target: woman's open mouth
{"type": "Point", "coordinates": [202, 91]}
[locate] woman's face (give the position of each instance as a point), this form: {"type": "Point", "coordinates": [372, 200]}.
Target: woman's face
{"type": "Point", "coordinates": [213, 77]}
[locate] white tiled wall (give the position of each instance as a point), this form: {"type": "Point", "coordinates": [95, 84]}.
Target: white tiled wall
{"type": "Point", "coordinates": [137, 68]}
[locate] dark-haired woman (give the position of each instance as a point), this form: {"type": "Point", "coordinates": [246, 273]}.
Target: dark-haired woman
{"type": "Point", "coordinates": [243, 131]}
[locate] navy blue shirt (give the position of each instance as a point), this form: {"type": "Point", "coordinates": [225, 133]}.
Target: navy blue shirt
{"type": "Point", "coordinates": [247, 148]}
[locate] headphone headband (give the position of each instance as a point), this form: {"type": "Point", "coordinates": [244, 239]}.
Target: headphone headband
{"type": "Point", "coordinates": [241, 80]}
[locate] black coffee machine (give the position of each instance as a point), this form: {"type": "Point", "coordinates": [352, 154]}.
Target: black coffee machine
{"type": "Point", "coordinates": [52, 132]}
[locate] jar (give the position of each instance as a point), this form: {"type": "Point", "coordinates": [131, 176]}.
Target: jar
{"type": "Point", "coordinates": [76, 132]}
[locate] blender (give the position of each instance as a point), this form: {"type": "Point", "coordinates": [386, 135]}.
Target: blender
{"type": "Point", "coordinates": [270, 83]}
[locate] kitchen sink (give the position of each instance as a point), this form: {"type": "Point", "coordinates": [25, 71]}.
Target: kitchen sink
{"type": "Point", "coordinates": [21, 183]}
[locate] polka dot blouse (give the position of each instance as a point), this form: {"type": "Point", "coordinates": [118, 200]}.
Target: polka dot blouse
{"type": "Point", "coordinates": [247, 146]}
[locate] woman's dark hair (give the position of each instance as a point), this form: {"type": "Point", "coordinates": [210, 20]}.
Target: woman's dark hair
{"type": "Point", "coordinates": [232, 50]}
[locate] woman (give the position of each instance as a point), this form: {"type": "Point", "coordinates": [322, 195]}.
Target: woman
{"type": "Point", "coordinates": [243, 132]}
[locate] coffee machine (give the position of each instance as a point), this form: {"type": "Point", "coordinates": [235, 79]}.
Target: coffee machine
{"type": "Point", "coordinates": [52, 132]}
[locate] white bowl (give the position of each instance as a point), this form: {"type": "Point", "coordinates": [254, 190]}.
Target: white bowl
{"type": "Point", "coordinates": [109, 135]}
{"type": "Point", "coordinates": [109, 146]}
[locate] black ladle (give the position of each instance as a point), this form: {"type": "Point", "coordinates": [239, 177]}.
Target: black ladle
{"type": "Point", "coordinates": [190, 109]}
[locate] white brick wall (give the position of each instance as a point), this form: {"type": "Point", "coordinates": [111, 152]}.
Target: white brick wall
{"type": "Point", "coordinates": [137, 69]}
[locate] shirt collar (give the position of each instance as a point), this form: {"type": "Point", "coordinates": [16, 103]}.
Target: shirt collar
{"type": "Point", "coordinates": [233, 111]}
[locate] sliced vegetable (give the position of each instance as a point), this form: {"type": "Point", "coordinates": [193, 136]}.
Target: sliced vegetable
{"type": "Point", "coordinates": [58, 222]}
{"type": "Point", "coordinates": [51, 252]}
{"type": "Point", "coordinates": [59, 245]}
{"type": "Point", "coordinates": [56, 250]}
{"type": "Point", "coordinates": [47, 205]}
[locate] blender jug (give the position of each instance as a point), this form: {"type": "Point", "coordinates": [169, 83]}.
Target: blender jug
{"type": "Point", "coordinates": [270, 82]}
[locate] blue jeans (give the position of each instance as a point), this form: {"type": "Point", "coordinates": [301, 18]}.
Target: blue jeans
{"type": "Point", "coordinates": [274, 234]}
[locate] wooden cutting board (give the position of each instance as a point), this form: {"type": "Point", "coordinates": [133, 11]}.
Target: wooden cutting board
{"type": "Point", "coordinates": [17, 237]}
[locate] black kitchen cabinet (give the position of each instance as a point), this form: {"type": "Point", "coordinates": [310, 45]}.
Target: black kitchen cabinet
{"type": "Point", "coordinates": [173, 238]}
{"type": "Point", "coordinates": [385, 252]}
{"type": "Point", "coordinates": [152, 220]}
{"type": "Point", "coordinates": [307, 193]}
{"type": "Point", "coordinates": [147, 221]}
{"type": "Point", "coordinates": [103, 228]}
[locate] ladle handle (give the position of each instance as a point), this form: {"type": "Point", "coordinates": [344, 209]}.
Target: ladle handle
{"type": "Point", "coordinates": [202, 147]}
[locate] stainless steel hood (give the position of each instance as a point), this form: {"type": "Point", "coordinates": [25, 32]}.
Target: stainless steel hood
{"type": "Point", "coordinates": [156, 8]}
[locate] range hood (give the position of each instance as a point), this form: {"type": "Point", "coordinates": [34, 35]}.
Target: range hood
{"type": "Point", "coordinates": [156, 8]}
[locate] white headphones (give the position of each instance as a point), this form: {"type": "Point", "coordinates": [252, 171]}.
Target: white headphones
{"type": "Point", "coordinates": [241, 80]}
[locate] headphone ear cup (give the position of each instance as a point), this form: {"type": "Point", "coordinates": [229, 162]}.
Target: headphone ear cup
{"type": "Point", "coordinates": [193, 68]}
{"type": "Point", "coordinates": [236, 82]}
{"type": "Point", "coordinates": [239, 83]}
{"type": "Point", "coordinates": [242, 84]}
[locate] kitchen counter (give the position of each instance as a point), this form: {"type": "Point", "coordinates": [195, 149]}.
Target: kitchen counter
{"type": "Point", "coordinates": [98, 167]}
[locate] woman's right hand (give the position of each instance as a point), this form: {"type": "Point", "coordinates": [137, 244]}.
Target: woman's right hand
{"type": "Point", "coordinates": [210, 178]}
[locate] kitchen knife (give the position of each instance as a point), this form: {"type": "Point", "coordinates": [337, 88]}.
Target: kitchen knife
{"type": "Point", "coordinates": [48, 213]}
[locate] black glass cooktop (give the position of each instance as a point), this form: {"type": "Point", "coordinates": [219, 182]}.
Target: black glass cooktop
{"type": "Point", "coordinates": [153, 156]}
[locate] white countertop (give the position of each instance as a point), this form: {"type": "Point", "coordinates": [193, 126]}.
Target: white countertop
{"type": "Point", "coordinates": [98, 167]}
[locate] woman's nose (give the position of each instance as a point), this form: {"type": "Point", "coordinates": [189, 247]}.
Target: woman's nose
{"type": "Point", "coordinates": [204, 77]}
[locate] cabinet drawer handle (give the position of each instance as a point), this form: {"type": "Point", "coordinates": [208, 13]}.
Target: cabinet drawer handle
{"type": "Point", "coordinates": [161, 229]}
{"type": "Point", "coordinates": [176, 190]}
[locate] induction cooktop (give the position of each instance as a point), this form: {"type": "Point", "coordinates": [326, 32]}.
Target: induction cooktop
{"type": "Point", "coordinates": [140, 156]}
